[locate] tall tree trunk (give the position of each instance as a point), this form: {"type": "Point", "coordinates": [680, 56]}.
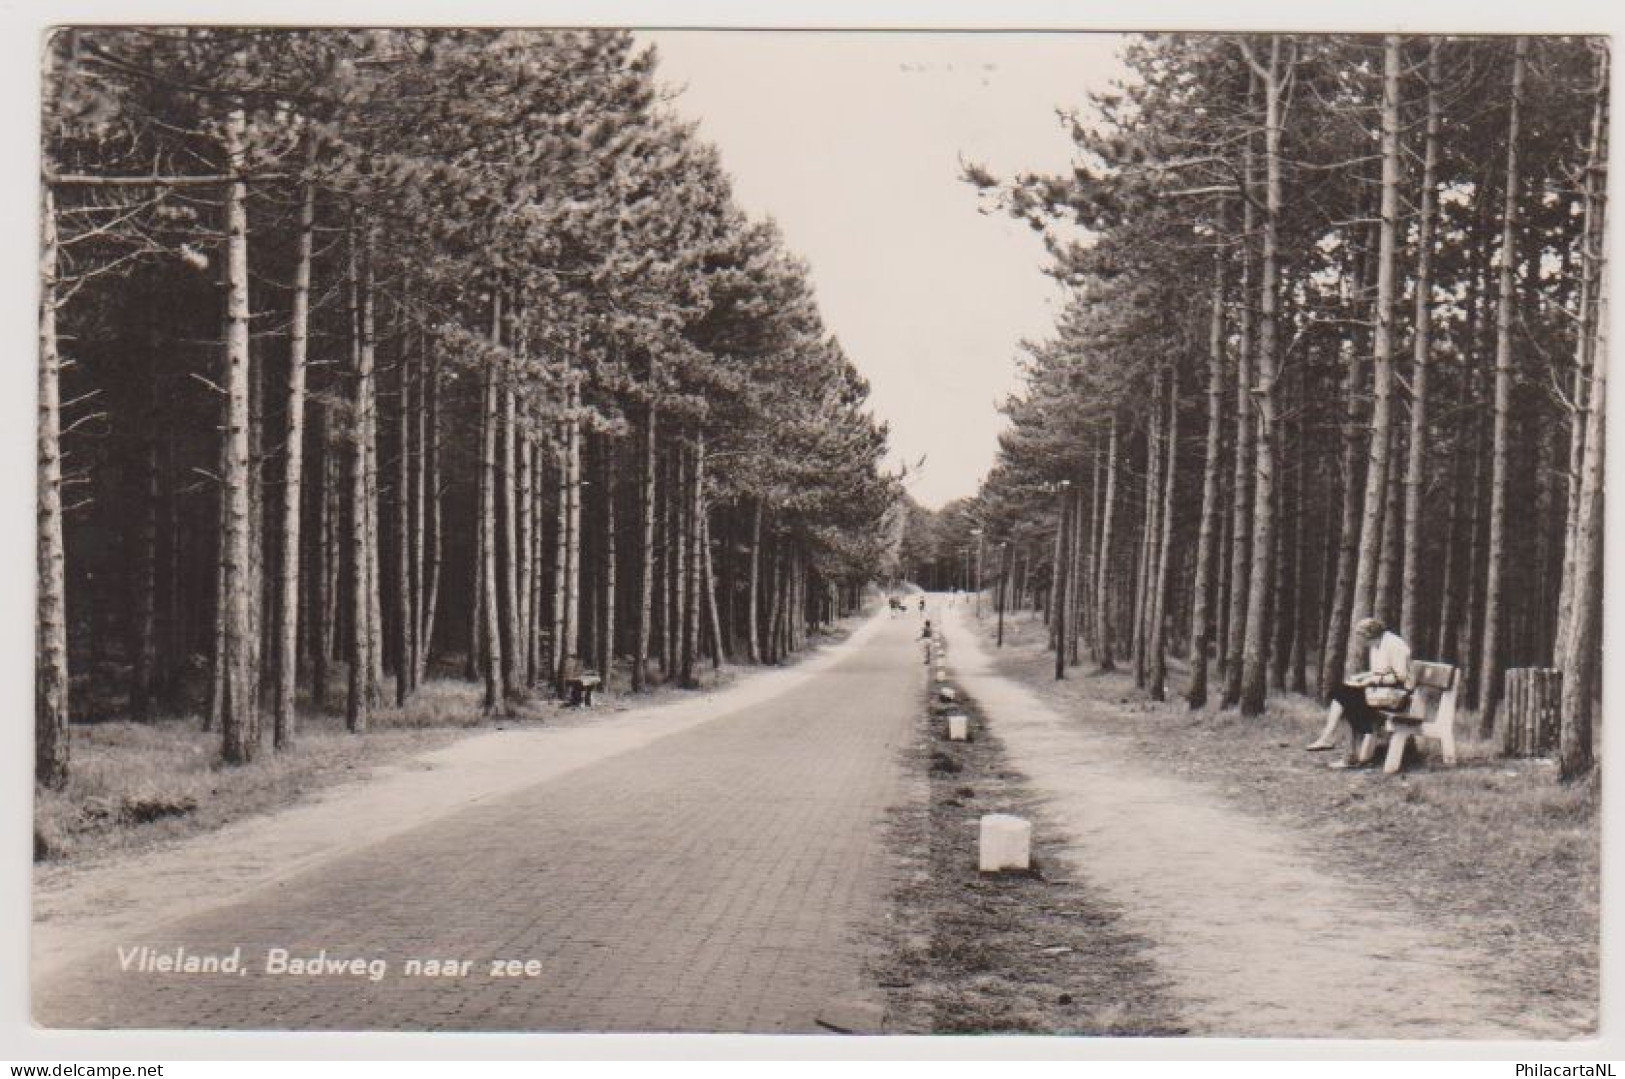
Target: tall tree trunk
{"type": "Point", "coordinates": [177, 620]}
{"type": "Point", "coordinates": [795, 599]}
{"type": "Point", "coordinates": [1224, 585]}
{"type": "Point", "coordinates": [1478, 337]}
{"type": "Point", "coordinates": [406, 620]}
{"type": "Point", "coordinates": [1334, 650]}
{"type": "Point", "coordinates": [489, 592]}
{"type": "Point", "coordinates": [561, 531]}
{"type": "Point", "coordinates": [429, 503]}
{"type": "Point", "coordinates": [417, 435]}
{"type": "Point", "coordinates": [688, 622]}
{"type": "Point", "coordinates": [1208, 535]}
{"type": "Point", "coordinates": [374, 590]}
{"type": "Point", "coordinates": [775, 601]}
{"type": "Point", "coordinates": [1089, 570]}
{"type": "Point", "coordinates": [668, 554]}
{"type": "Point", "coordinates": [693, 570]}
{"type": "Point", "coordinates": [676, 562]}
{"type": "Point", "coordinates": [51, 739]}
{"type": "Point", "coordinates": [287, 656]}
{"type": "Point", "coordinates": [1103, 627]}
{"type": "Point", "coordinates": [1255, 649]}
{"type": "Point", "coordinates": [1580, 677]}
{"type": "Point", "coordinates": [537, 656]}
{"type": "Point", "coordinates": [1490, 658]}
{"type": "Point", "coordinates": [262, 642]}
{"type": "Point", "coordinates": [1302, 620]}
{"type": "Point", "coordinates": [358, 702]}
{"type": "Point", "coordinates": [591, 563]}
{"type": "Point", "coordinates": [1388, 570]}
{"type": "Point", "coordinates": [1591, 247]}
{"type": "Point", "coordinates": [1146, 578]}
{"type": "Point", "coordinates": [1450, 584]}
{"type": "Point", "coordinates": [473, 662]}
{"type": "Point", "coordinates": [1242, 492]}
{"type": "Point", "coordinates": [1074, 571]}
{"type": "Point", "coordinates": [1091, 567]}
{"type": "Point", "coordinates": [1063, 519]}
{"type": "Point", "coordinates": [1055, 578]}
{"type": "Point", "coordinates": [1376, 477]}
{"type": "Point", "coordinates": [524, 586]}
{"type": "Point", "coordinates": [1421, 329]}
{"type": "Point", "coordinates": [144, 624]}
{"type": "Point", "coordinates": [513, 672]}
{"type": "Point", "coordinates": [572, 518]}
{"type": "Point", "coordinates": [1006, 555]}
{"type": "Point", "coordinates": [719, 652]}
{"type": "Point", "coordinates": [1122, 594]}
{"type": "Point", "coordinates": [1159, 610]}
{"type": "Point", "coordinates": [1472, 619]}
{"type": "Point", "coordinates": [329, 563]}
{"type": "Point", "coordinates": [752, 631]}
{"type": "Point", "coordinates": [790, 608]}
{"type": "Point", "coordinates": [1288, 531]}
{"type": "Point", "coordinates": [213, 719]}
{"type": "Point", "coordinates": [607, 581]}
{"type": "Point", "coordinates": [646, 553]}
{"type": "Point", "coordinates": [239, 715]}
{"type": "Point", "coordinates": [725, 575]}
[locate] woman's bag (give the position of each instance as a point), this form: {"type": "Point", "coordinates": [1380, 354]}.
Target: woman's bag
{"type": "Point", "coordinates": [1390, 697]}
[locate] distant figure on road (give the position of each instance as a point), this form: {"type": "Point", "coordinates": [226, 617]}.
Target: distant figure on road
{"type": "Point", "coordinates": [922, 604]}
{"type": "Point", "coordinates": [925, 634]}
{"type": "Point", "coordinates": [1356, 700]}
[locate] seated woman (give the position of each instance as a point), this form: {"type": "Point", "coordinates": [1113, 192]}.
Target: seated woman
{"type": "Point", "coordinates": [1390, 663]}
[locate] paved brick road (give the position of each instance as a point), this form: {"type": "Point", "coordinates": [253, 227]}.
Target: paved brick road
{"type": "Point", "coordinates": [727, 878]}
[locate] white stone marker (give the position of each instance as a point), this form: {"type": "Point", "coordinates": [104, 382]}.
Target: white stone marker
{"type": "Point", "coordinates": [958, 728]}
{"type": "Point", "coordinates": [1006, 842]}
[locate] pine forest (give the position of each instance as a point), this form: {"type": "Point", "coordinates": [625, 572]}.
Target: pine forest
{"type": "Point", "coordinates": [370, 358]}
{"type": "Point", "coordinates": [1335, 347]}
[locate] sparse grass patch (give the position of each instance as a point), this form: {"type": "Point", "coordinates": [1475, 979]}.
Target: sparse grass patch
{"type": "Point", "coordinates": [135, 785]}
{"type": "Point", "coordinates": [440, 703]}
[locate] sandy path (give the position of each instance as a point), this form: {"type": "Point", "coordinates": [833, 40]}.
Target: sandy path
{"type": "Point", "coordinates": [1258, 942]}
{"type": "Point", "coordinates": [82, 913]}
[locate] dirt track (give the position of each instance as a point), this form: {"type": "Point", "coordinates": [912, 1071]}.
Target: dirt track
{"type": "Point", "coordinates": [1258, 941]}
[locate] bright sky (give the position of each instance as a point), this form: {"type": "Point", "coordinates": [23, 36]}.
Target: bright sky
{"type": "Point", "coordinates": [853, 143]}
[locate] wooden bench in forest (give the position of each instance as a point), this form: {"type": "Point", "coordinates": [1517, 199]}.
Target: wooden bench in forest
{"type": "Point", "coordinates": [1431, 713]}
{"type": "Point", "coordinates": [581, 687]}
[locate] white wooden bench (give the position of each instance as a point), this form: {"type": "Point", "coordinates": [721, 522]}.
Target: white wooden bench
{"type": "Point", "coordinates": [1430, 714]}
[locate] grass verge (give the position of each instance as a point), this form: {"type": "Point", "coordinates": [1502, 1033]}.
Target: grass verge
{"type": "Point", "coordinates": [136, 785]}
{"type": "Point", "coordinates": [133, 786]}
{"type": "Point", "coordinates": [974, 953]}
